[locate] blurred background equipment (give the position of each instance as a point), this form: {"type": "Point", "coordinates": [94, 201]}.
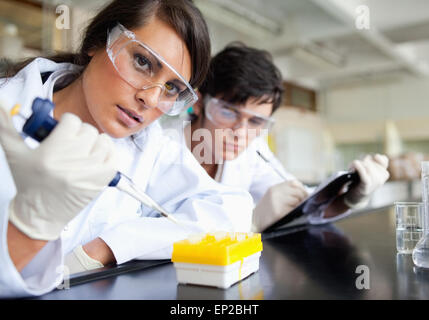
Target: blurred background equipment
{"type": "Point", "coordinates": [355, 72]}
{"type": "Point", "coordinates": [10, 44]}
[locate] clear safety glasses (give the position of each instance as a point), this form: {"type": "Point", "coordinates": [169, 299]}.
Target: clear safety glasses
{"type": "Point", "coordinates": [227, 115]}
{"type": "Point", "coordinates": [144, 69]}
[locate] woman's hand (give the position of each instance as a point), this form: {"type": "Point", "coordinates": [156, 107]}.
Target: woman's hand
{"type": "Point", "coordinates": [95, 254]}
{"type": "Point", "coordinates": [59, 178]}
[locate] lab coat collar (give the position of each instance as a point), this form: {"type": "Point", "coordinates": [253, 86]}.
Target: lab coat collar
{"type": "Point", "coordinates": [29, 80]}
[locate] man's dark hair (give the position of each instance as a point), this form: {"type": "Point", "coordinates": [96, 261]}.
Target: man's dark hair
{"type": "Point", "coordinates": [238, 73]}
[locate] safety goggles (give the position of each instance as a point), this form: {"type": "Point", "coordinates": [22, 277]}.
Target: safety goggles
{"type": "Point", "coordinates": [144, 69]}
{"type": "Point", "coordinates": [224, 114]}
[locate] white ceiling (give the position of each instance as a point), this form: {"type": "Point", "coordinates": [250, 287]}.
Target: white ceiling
{"type": "Point", "coordinates": [316, 43]}
{"type": "Point", "coordinates": [319, 44]}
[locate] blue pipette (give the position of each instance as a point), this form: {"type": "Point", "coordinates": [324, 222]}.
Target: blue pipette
{"type": "Point", "coordinates": [40, 124]}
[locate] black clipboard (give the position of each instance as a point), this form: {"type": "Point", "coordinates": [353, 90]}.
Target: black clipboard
{"type": "Point", "coordinates": [320, 199]}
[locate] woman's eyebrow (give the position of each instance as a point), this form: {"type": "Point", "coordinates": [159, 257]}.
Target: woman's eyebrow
{"type": "Point", "coordinates": [160, 66]}
{"type": "Point", "coordinates": [158, 63]}
{"type": "Point", "coordinates": [152, 57]}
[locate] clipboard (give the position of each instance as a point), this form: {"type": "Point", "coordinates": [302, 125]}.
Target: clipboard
{"type": "Point", "coordinates": [320, 199]}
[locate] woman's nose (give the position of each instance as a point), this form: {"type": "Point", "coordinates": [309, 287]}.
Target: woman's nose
{"type": "Point", "coordinates": [150, 96]}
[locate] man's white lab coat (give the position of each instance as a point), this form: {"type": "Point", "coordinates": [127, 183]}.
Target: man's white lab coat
{"type": "Point", "coordinates": [248, 171]}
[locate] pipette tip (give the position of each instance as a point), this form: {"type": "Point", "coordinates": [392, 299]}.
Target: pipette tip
{"type": "Point", "coordinates": [171, 218]}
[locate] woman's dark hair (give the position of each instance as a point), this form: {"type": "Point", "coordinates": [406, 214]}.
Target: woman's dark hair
{"type": "Point", "coordinates": [181, 15]}
{"type": "Point", "coordinates": [238, 73]}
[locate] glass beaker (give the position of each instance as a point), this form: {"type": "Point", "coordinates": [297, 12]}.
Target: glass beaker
{"type": "Point", "coordinates": [421, 251]}
{"type": "Point", "coordinates": [409, 225]}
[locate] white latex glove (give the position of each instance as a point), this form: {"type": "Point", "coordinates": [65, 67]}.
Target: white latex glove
{"type": "Point", "coordinates": [277, 202]}
{"type": "Point", "coordinates": [78, 261]}
{"type": "Point", "coordinates": [59, 178]}
{"type": "Point", "coordinates": [373, 174]}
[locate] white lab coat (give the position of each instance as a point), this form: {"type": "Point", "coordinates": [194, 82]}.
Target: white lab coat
{"type": "Point", "coordinates": [251, 172]}
{"type": "Point", "coordinates": [248, 171]}
{"type": "Point", "coordinates": [161, 166]}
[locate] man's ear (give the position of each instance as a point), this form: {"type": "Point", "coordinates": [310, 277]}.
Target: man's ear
{"type": "Point", "coordinates": [199, 105]}
{"type": "Point", "coordinates": [92, 52]}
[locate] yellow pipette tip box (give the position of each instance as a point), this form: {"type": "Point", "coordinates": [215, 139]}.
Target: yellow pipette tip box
{"type": "Point", "coordinates": [217, 259]}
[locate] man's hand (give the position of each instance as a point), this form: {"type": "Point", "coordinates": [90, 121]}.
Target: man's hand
{"type": "Point", "coordinates": [373, 174]}
{"type": "Point", "coordinates": [277, 202]}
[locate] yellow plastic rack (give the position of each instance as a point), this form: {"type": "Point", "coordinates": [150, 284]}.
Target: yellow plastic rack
{"type": "Point", "coordinates": [220, 248]}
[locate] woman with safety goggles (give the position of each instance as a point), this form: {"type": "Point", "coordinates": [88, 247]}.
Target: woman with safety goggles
{"type": "Point", "coordinates": [139, 59]}
{"type": "Point", "coordinates": [242, 90]}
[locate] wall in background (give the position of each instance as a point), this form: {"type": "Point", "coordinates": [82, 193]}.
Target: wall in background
{"type": "Point", "coordinates": [357, 115]}
{"type": "Point", "coordinates": [303, 144]}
